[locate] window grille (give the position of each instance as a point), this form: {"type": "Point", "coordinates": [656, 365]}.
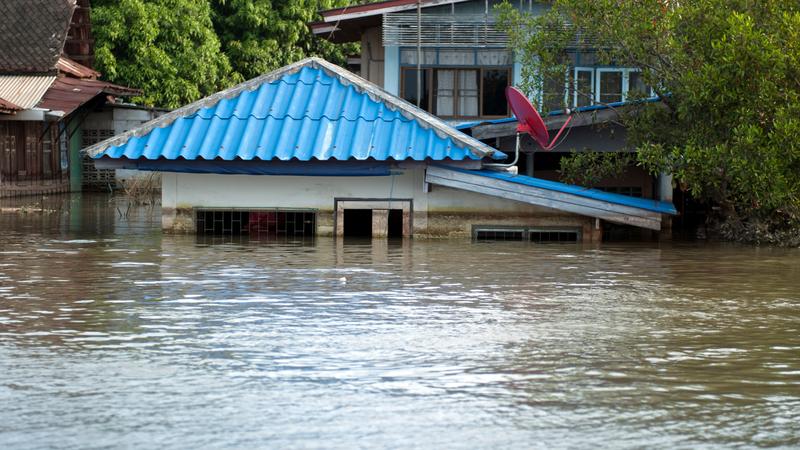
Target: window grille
{"type": "Point", "coordinates": [92, 178]}
{"type": "Point", "coordinates": [537, 235]}
{"type": "Point", "coordinates": [262, 223]}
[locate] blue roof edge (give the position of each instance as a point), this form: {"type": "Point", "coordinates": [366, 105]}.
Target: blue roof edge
{"type": "Point", "coordinates": [558, 113]}
{"type": "Point", "coordinates": [642, 203]}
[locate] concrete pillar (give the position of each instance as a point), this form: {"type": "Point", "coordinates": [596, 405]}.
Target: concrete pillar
{"type": "Point", "coordinates": [597, 231]}
{"type": "Point", "coordinates": [665, 187]}
{"type": "Point", "coordinates": [75, 146]}
{"type": "Point", "coordinates": [665, 195]}
{"type": "Point", "coordinates": [529, 164]}
{"type": "Point", "coordinates": [380, 222]}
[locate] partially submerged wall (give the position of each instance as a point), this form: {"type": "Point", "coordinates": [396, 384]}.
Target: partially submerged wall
{"type": "Point", "coordinates": [428, 211]}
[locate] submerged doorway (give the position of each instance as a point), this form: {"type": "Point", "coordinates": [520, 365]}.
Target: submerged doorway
{"type": "Point", "coordinates": [395, 225]}
{"type": "Point", "coordinates": [373, 217]}
{"type": "Point", "coordinates": [358, 223]}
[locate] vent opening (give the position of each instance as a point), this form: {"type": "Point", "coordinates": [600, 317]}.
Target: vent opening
{"type": "Point", "coordinates": [536, 235]}
{"type": "Point", "coordinates": [220, 222]}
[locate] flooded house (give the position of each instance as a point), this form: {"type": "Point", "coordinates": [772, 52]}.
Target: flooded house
{"type": "Point", "coordinates": [48, 89]}
{"type": "Point", "coordinates": [313, 149]}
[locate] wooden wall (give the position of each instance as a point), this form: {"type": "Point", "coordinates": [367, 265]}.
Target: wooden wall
{"type": "Point", "coordinates": [31, 158]}
{"type": "Point", "coordinates": [372, 69]}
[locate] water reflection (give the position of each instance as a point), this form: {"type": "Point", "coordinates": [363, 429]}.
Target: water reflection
{"type": "Point", "coordinates": [112, 335]}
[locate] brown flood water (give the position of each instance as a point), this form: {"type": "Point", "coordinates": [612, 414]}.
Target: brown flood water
{"type": "Point", "coordinates": [113, 335]}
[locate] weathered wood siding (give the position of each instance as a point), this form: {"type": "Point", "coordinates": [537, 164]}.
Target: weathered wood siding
{"type": "Point", "coordinates": [30, 159]}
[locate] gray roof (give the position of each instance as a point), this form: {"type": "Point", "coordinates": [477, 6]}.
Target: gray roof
{"type": "Point", "coordinates": [32, 34]}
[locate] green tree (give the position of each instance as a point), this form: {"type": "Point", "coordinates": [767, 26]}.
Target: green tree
{"type": "Point", "coordinates": [728, 76]}
{"type": "Point", "coordinates": [168, 48]}
{"type": "Point", "coordinates": [262, 35]}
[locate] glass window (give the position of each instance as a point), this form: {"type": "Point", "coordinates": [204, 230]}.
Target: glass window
{"type": "Point", "coordinates": [554, 94]}
{"type": "Point", "coordinates": [495, 82]}
{"type": "Point", "coordinates": [572, 55]}
{"type": "Point", "coordinates": [584, 80]}
{"type": "Point", "coordinates": [409, 93]}
{"type": "Point", "coordinates": [588, 58]}
{"type": "Point", "coordinates": [493, 57]}
{"type": "Point", "coordinates": [459, 92]}
{"type": "Point", "coordinates": [610, 86]}
{"type": "Point", "coordinates": [62, 140]}
{"type": "Point", "coordinates": [456, 57]}
{"type": "Point", "coordinates": [635, 82]}
{"type": "Point", "coordinates": [468, 89]}
{"type": "Point", "coordinates": [444, 81]}
{"type": "Point", "coordinates": [409, 56]}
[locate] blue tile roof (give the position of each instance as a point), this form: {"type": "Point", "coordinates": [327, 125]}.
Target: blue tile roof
{"type": "Point", "coordinates": [316, 111]}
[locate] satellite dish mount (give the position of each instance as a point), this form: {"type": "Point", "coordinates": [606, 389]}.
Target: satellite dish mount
{"type": "Point", "coordinates": [529, 122]}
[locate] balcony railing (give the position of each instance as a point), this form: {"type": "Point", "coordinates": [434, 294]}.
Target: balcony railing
{"type": "Point", "coordinates": [449, 30]}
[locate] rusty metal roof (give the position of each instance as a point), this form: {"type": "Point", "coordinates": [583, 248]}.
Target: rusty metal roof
{"type": "Point", "coordinates": [8, 107]}
{"type": "Point", "coordinates": [75, 69]}
{"type": "Point", "coordinates": [32, 34]}
{"type": "Point", "coordinates": [24, 91]}
{"type": "Point", "coordinates": [66, 94]}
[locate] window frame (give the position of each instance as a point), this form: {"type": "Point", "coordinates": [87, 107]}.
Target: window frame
{"type": "Point", "coordinates": [404, 67]}
{"type": "Point", "coordinates": [575, 60]}
{"type": "Point", "coordinates": [623, 85]}
{"type": "Point", "coordinates": [411, 69]}
{"type": "Point", "coordinates": [527, 231]}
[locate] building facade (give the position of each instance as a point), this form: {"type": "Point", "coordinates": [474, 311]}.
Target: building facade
{"type": "Point", "coordinates": [312, 149]}
{"type": "Point", "coordinates": [464, 68]}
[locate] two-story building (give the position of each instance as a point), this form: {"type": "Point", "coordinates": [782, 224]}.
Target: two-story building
{"type": "Point", "coordinates": [448, 57]}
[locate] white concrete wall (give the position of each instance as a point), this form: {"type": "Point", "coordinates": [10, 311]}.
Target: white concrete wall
{"type": "Point", "coordinates": [441, 212]}
{"type": "Point", "coordinates": [184, 190]}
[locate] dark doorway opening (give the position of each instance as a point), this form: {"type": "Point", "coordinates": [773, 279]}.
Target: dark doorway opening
{"type": "Point", "coordinates": [358, 223]}
{"type": "Point", "coordinates": [395, 223]}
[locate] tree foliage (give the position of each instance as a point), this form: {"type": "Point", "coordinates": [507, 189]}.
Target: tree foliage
{"type": "Point", "coordinates": [728, 76]}
{"type": "Point", "coordinates": [262, 35]}
{"type": "Point", "coordinates": [179, 51]}
{"type": "Point", "coordinates": [168, 48]}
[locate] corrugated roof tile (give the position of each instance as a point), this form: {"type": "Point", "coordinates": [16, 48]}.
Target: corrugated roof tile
{"type": "Point", "coordinates": [310, 113]}
{"type": "Point", "coordinates": [25, 90]}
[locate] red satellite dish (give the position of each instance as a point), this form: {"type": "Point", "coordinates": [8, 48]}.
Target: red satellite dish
{"type": "Point", "coordinates": [529, 119]}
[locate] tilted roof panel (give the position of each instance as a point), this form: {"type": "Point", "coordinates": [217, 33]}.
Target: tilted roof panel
{"type": "Point", "coordinates": [67, 94]}
{"type": "Point", "coordinates": [25, 90]}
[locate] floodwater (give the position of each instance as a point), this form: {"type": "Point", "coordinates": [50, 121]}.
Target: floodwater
{"type": "Point", "coordinates": [113, 335]}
